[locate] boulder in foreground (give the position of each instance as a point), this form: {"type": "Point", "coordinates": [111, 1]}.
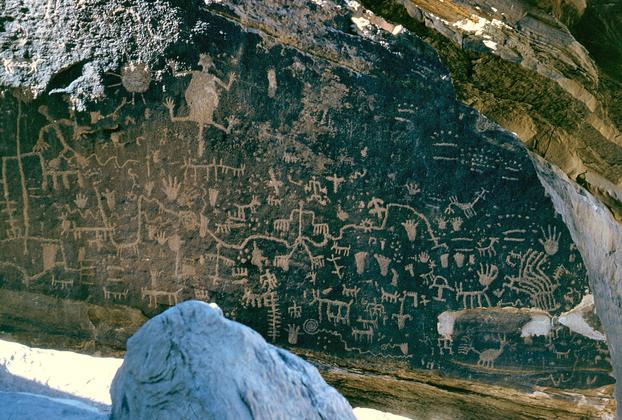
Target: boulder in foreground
{"type": "Point", "coordinates": [192, 362]}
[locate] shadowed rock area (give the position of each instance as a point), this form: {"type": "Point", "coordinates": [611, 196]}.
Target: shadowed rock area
{"type": "Point", "coordinates": [25, 406]}
{"type": "Point", "coordinates": [305, 165]}
{"type": "Point", "coordinates": [547, 70]}
{"type": "Point", "coordinates": [180, 364]}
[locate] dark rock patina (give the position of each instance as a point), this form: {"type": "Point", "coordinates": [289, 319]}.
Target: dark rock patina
{"type": "Point", "coordinates": [313, 174]}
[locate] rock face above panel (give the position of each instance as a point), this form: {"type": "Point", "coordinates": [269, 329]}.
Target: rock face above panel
{"type": "Point", "coordinates": [316, 177]}
{"type": "Point", "coordinates": [191, 362]}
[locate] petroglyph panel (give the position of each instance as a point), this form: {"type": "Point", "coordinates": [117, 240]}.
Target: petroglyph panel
{"type": "Point", "coordinates": [328, 208]}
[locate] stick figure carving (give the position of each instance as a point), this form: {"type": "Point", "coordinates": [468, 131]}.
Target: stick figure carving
{"type": "Point", "coordinates": [202, 97]}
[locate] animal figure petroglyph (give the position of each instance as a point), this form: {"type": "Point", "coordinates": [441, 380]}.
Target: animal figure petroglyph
{"type": "Point", "coordinates": [488, 357]}
{"type": "Point", "coordinates": [336, 311]}
{"type": "Point", "coordinates": [471, 298]}
{"type": "Point", "coordinates": [467, 208]}
{"type": "Point", "coordinates": [171, 298]}
{"type": "Point", "coordinates": [367, 334]}
{"type": "Point", "coordinates": [389, 297]}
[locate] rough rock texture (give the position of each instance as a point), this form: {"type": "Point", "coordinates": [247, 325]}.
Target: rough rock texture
{"type": "Point", "coordinates": [192, 362]}
{"type": "Point", "coordinates": [599, 238]}
{"type": "Point", "coordinates": [519, 64]}
{"type": "Point", "coordinates": [422, 395]}
{"type": "Point", "coordinates": [313, 174]}
{"type": "Point", "coordinates": [25, 406]}
{"type": "Point", "coordinates": [96, 37]}
{"type": "Point", "coordinates": [42, 320]}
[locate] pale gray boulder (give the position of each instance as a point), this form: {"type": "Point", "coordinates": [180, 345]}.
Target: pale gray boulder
{"type": "Point", "coordinates": [26, 406]}
{"type": "Point", "coordinates": [190, 362]}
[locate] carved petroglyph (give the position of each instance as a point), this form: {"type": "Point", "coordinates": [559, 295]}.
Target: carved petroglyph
{"type": "Point", "coordinates": [331, 243]}
{"type": "Point", "coordinates": [202, 98]}
{"type": "Point", "coordinates": [533, 280]}
{"type": "Point", "coordinates": [336, 311]}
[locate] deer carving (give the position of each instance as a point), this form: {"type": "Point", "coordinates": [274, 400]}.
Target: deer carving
{"type": "Point", "coordinates": [488, 357]}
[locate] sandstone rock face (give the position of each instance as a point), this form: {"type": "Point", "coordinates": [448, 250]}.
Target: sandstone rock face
{"type": "Point", "coordinates": [519, 63]}
{"type": "Point", "coordinates": [191, 362]}
{"type": "Point", "coordinates": [600, 241]}
{"type": "Point", "coordinates": [308, 167]}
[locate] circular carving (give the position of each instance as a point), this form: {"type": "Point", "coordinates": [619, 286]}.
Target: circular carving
{"type": "Point", "coordinates": [311, 326]}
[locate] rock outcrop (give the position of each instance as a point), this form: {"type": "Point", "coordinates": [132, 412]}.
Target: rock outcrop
{"type": "Point", "coordinates": [192, 362]}
{"type": "Point", "coordinates": [302, 163]}
{"type": "Point", "coordinates": [520, 64]}
{"type": "Point", "coordinates": [25, 406]}
{"type": "Point", "coordinates": [599, 238]}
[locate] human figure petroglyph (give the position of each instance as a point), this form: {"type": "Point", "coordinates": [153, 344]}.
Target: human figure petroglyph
{"type": "Point", "coordinates": [272, 84]}
{"type": "Point", "coordinates": [268, 280]}
{"type": "Point", "coordinates": [376, 207]}
{"type": "Point", "coordinates": [273, 182]}
{"type": "Point", "coordinates": [336, 181]}
{"type": "Point", "coordinates": [401, 317]}
{"type": "Point", "coordinates": [294, 310]}
{"type": "Point", "coordinates": [257, 257]}
{"type": "Point", "coordinates": [202, 98]}
{"type": "Point", "coordinates": [316, 191]}
{"type": "Point", "coordinates": [338, 269]}
{"type": "Point", "coordinates": [311, 276]}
